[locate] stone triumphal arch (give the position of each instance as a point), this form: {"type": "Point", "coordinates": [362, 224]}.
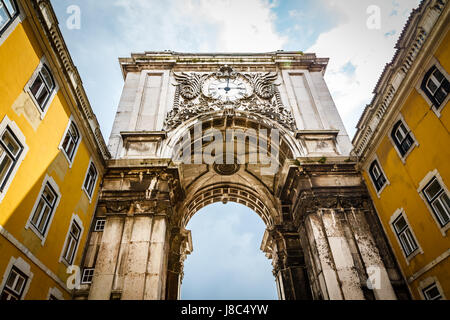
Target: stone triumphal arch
{"type": "Point", "coordinates": [261, 130]}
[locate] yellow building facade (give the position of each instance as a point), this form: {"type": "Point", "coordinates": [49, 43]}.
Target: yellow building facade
{"type": "Point", "coordinates": [51, 155]}
{"type": "Point", "coordinates": [403, 146]}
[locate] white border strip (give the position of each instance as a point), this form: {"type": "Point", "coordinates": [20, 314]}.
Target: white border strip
{"type": "Point", "coordinates": [33, 258]}
{"type": "Point", "coordinates": [429, 266]}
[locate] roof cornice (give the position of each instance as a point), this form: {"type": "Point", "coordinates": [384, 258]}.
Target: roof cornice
{"type": "Point", "coordinates": [43, 12]}
{"type": "Point", "coordinates": [248, 61]}
{"type": "Point", "coordinates": [416, 37]}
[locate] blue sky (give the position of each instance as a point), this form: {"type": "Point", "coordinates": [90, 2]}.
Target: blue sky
{"type": "Point", "coordinates": [336, 29]}
{"type": "Point", "coordinates": [227, 262]}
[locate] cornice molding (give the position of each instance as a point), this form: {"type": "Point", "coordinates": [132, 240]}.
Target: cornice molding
{"type": "Point", "coordinates": [415, 39]}
{"type": "Point", "coordinates": [250, 62]}
{"type": "Point", "coordinates": [44, 13]}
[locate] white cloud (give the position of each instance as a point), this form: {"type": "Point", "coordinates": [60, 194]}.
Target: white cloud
{"type": "Point", "coordinates": [201, 25]}
{"type": "Point", "coordinates": [226, 262]}
{"type": "Point", "coordinates": [241, 26]}
{"type": "Point", "coordinates": [367, 50]}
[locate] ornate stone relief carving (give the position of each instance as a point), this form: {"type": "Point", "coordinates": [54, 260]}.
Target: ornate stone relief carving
{"type": "Point", "coordinates": [264, 98]}
{"type": "Point", "coordinates": [190, 84]}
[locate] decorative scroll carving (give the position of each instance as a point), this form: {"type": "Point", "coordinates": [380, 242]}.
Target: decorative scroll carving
{"type": "Point", "coordinates": [118, 206]}
{"type": "Point", "coordinates": [271, 109]}
{"type": "Point", "coordinates": [263, 84]}
{"type": "Point", "coordinates": [189, 110]}
{"type": "Point", "coordinates": [265, 101]}
{"type": "Point", "coordinates": [190, 83]}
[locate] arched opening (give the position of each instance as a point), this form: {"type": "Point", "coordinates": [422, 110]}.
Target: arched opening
{"type": "Point", "coordinates": [227, 262]}
{"type": "Point", "coordinates": [241, 181]}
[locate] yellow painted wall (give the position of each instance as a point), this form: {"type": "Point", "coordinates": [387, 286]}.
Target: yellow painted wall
{"type": "Point", "coordinates": [20, 55]}
{"type": "Point", "coordinates": [432, 134]}
{"type": "Point", "coordinates": [40, 283]}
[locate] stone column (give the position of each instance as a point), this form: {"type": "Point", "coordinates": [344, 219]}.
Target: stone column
{"type": "Point", "coordinates": [289, 266]}
{"type": "Point", "coordinates": [342, 256]}
{"type": "Point", "coordinates": [107, 259]}
{"type": "Point", "coordinates": [375, 268]}
{"type": "Point", "coordinates": [180, 247]}
{"type": "Point", "coordinates": [136, 260]}
{"type": "Point", "coordinates": [155, 274]}
{"type": "Point", "coordinates": [174, 276]}
{"type": "Point", "coordinates": [123, 253]}
{"type": "Point", "coordinates": [318, 241]}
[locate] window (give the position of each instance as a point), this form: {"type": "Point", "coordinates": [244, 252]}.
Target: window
{"type": "Point", "coordinates": [438, 200]}
{"type": "Point", "coordinates": [44, 209]}
{"type": "Point", "coordinates": [100, 225]}
{"type": "Point", "coordinates": [402, 138]}
{"type": "Point", "coordinates": [404, 235]}
{"type": "Point", "coordinates": [55, 294]}
{"type": "Point", "coordinates": [432, 292]}
{"type": "Point", "coordinates": [71, 140]}
{"type": "Point", "coordinates": [377, 176]}
{"type": "Point", "coordinates": [72, 242]}
{"type": "Point", "coordinates": [89, 182]}
{"type": "Point", "coordinates": [8, 12]}
{"type": "Point", "coordinates": [88, 274]}
{"type": "Point", "coordinates": [42, 87]}
{"type": "Point", "coordinates": [14, 286]}
{"type": "Point", "coordinates": [436, 86]}
{"type": "Point", "coordinates": [10, 151]}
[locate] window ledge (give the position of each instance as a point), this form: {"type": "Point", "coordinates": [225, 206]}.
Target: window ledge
{"type": "Point", "coordinates": [31, 227]}
{"type": "Point", "coordinates": [69, 162]}
{"type": "Point", "coordinates": [87, 194]}
{"type": "Point", "coordinates": [413, 255]}
{"type": "Point", "coordinates": [12, 24]}
{"type": "Point", "coordinates": [403, 158]}
{"type": "Point", "coordinates": [438, 111]}
{"type": "Point", "coordinates": [444, 229]}
{"type": "Point", "coordinates": [382, 188]}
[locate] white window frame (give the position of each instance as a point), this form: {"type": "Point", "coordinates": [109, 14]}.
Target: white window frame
{"type": "Point", "coordinates": [12, 26]}
{"type": "Point", "coordinates": [432, 62]}
{"type": "Point", "coordinates": [71, 119]}
{"type": "Point", "coordinates": [6, 122]}
{"type": "Point", "coordinates": [75, 218]}
{"type": "Point", "coordinates": [427, 283]}
{"type": "Point", "coordinates": [48, 179]}
{"type": "Point", "coordinates": [414, 144]}
{"type": "Point", "coordinates": [82, 275]}
{"type": "Point", "coordinates": [91, 161]}
{"type": "Point", "coordinates": [369, 163]}
{"type": "Point", "coordinates": [56, 293]}
{"type": "Point", "coordinates": [52, 94]}
{"type": "Point", "coordinates": [24, 267]}
{"type": "Point", "coordinates": [392, 219]}
{"type": "Point", "coordinates": [428, 177]}
{"type": "Point", "coordinates": [96, 222]}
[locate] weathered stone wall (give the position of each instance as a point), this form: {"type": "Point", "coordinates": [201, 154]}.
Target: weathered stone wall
{"type": "Point", "coordinates": [346, 252]}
